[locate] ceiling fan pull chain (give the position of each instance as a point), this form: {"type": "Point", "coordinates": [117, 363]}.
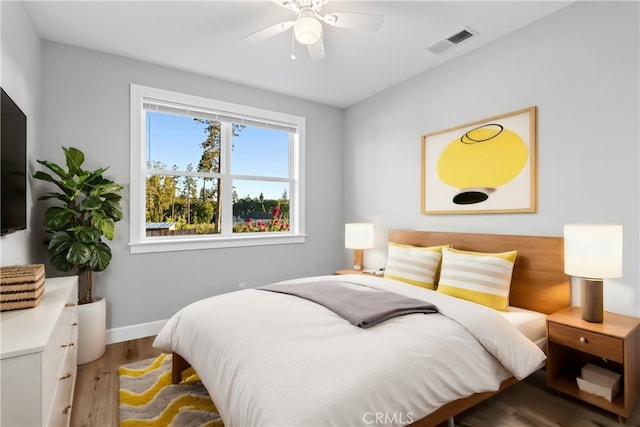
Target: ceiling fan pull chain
{"type": "Point", "coordinates": [293, 45]}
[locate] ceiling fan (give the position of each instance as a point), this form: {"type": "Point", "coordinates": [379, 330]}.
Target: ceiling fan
{"type": "Point", "coordinates": [307, 25]}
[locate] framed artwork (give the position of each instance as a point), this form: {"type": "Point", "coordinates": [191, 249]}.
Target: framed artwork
{"type": "Point", "coordinates": [487, 166]}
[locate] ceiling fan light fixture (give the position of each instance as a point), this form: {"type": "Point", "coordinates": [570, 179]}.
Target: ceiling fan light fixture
{"type": "Point", "coordinates": [307, 29]}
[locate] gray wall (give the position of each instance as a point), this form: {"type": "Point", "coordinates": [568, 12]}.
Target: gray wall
{"type": "Point", "coordinates": [86, 105]}
{"type": "Point", "coordinates": [580, 66]}
{"type": "Point", "coordinates": [21, 78]}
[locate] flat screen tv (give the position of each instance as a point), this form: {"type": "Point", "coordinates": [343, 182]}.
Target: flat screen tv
{"type": "Point", "coordinates": [13, 153]}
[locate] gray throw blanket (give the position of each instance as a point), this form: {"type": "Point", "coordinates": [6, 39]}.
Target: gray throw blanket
{"type": "Point", "coordinates": [363, 308]}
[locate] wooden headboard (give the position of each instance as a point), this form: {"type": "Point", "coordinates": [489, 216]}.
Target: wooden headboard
{"type": "Point", "coordinates": [538, 282]}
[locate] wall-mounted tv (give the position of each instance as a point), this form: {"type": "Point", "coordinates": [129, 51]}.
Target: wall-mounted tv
{"type": "Point", "coordinates": [13, 153]}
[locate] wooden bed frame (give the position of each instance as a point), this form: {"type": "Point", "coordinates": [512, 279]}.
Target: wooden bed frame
{"type": "Point", "coordinates": [538, 283]}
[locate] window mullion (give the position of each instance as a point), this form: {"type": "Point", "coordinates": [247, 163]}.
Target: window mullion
{"type": "Point", "coordinates": [226, 145]}
{"type": "Point", "coordinates": [293, 186]}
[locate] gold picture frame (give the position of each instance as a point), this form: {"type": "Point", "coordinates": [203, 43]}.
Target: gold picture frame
{"type": "Point", "coordinates": [486, 166]}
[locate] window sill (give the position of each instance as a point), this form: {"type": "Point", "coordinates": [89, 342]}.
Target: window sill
{"type": "Point", "coordinates": [174, 244]}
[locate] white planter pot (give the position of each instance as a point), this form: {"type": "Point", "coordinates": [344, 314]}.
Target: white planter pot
{"type": "Point", "coordinates": [92, 331]}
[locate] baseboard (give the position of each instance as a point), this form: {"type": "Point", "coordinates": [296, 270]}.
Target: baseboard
{"type": "Point", "coordinates": [134, 332]}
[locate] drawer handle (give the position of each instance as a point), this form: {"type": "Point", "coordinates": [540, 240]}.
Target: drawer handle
{"type": "Point", "coordinates": [68, 345]}
{"type": "Point", "coordinates": [583, 340]}
{"type": "Point", "coordinates": [64, 377]}
{"type": "Point", "coordinates": [70, 304]}
{"type": "Point", "coordinates": [65, 411]}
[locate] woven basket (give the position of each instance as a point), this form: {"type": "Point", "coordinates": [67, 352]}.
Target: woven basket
{"type": "Point", "coordinates": [21, 286]}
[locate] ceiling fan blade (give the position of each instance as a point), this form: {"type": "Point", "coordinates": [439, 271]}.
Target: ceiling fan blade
{"type": "Point", "coordinates": [271, 31]}
{"type": "Point", "coordinates": [356, 21]}
{"type": "Point", "coordinates": [316, 50]}
{"type": "Point", "coordinates": [287, 4]}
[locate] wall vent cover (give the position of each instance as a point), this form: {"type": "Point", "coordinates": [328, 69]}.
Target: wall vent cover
{"type": "Point", "coordinates": [452, 40]}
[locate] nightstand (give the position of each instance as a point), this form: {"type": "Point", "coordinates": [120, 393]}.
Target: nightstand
{"type": "Point", "coordinates": [340, 272]}
{"type": "Point", "coordinates": [613, 344]}
{"type": "Point", "coordinates": [349, 271]}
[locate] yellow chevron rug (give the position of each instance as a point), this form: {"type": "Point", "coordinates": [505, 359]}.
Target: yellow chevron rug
{"type": "Point", "coordinates": [148, 399]}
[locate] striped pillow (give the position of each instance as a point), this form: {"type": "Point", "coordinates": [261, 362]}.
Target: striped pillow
{"type": "Point", "coordinates": [413, 264]}
{"type": "Point", "coordinates": [484, 278]}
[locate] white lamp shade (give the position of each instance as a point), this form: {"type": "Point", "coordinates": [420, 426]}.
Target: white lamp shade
{"type": "Point", "coordinates": [593, 251]}
{"type": "Point", "coordinates": [307, 30]}
{"type": "Point", "coordinates": [358, 236]}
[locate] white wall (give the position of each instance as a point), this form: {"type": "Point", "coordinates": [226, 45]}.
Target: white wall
{"type": "Point", "coordinates": [21, 78]}
{"type": "Point", "coordinates": [86, 105]}
{"type": "Point", "coordinates": [580, 66]}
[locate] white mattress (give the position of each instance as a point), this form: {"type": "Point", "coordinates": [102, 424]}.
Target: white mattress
{"type": "Point", "coordinates": [532, 324]}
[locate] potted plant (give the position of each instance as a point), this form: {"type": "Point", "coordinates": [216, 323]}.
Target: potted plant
{"type": "Point", "coordinates": [89, 209]}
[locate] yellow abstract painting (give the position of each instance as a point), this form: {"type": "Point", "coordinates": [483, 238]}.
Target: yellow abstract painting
{"type": "Point", "coordinates": [485, 166]}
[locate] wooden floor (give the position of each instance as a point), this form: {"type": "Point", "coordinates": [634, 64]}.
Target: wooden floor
{"type": "Point", "coordinates": [95, 401]}
{"type": "Point", "coordinates": [526, 404]}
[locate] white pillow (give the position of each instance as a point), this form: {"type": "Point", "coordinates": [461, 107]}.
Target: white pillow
{"type": "Point", "coordinates": [413, 264]}
{"type": "Point", "coordinates": [484, 278]}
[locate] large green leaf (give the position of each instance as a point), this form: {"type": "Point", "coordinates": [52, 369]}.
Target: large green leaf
{"type": "Point", "coordinates": [100, 257]}
{"type": "Point", "coordinates": [71, 187]}
{"type": "Point", "coordinates": [60, 243]}
{"type": "Point", "coordinates": [58, 248]}
{"type": "Point", "coordinates": [75, 159]}
{"type": "Point", "coordinates": [57, 218]}
{"type": "Point", "coordinates": [106, 226]}
{"type": "Point", "coordinates": [90, 203]}
{"type": "Point", "coordinates": [112, 209]}
{"type": "Point", "coordinates": [62, 197]}
{"type": "Point", "coordinates": [86, 235]}
{"type": "Point", "coordinates": [43, 176]}
{"type": "Point", "coordinates": [59, 261]}
{"type": "Point", "coordinates": [109, 188]}
{"type": "Point", "coordinates": [95, 178]}
{"type": "Point", "coordinates": [79, 253]}
{"type": "Point", "coordinates": [54, 168]}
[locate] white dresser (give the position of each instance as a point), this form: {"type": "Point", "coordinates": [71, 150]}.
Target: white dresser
{"type": "Point", "coordinates": [38, 358]}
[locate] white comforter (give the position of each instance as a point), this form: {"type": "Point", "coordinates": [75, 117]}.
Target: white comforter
{"type": "Point", "coordinates": [269, 359]}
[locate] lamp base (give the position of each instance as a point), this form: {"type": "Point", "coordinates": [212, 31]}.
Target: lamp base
{"type": "Point", "coordinates": [591, 300]}
{"type": "Point", "coordinates": [358, 259]}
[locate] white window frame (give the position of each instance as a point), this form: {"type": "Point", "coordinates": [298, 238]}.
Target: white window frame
{"type": "Point", "coordinates": [140, 243]}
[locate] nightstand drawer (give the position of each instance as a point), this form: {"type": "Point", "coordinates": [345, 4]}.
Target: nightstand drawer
{"type": "Point", "coordinates": [600, 345]}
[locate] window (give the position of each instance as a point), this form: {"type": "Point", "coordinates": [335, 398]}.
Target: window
{"type": "Point", "coordinates": [208, 174]}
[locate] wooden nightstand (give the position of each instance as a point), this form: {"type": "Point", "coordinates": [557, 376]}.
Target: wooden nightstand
{"type": "Point", "coordinates": [358, 272]}
{"type": "Point", "coordinates": [613, 344]}
{"type": "Point", "coordinates": [340, 272]}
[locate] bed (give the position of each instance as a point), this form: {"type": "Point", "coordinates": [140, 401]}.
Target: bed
{"type": "Point", "coordinates": [273, 359]}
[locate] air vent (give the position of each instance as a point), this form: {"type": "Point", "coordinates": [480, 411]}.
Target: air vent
{"type": "Point", "coordinates": [452, 40]}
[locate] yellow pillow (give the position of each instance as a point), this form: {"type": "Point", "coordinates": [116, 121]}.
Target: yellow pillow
{"type": "Point", "coordinates": [484, 278]}
{"type": "Point", "coordinates": [413, 264]}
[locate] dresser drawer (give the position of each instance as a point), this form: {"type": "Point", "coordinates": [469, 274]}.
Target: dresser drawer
{"type": "Point", "coordinates": [60, 409]}
{"type": "Point", "coordinates": [60, 413]}
{"type": "Point", "coordinates": [610, 348]}
{"type": "Point", "coordinates": [62, 341]}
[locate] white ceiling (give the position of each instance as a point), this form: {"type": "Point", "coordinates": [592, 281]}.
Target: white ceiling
{"type": "Point", "coordinates": [206, 37]}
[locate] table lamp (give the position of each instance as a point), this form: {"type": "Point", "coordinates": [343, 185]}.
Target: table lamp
{"type": "Point", "coordinates": [593, 253]}
{"type": "Point", "coordinates": [358, 236]}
